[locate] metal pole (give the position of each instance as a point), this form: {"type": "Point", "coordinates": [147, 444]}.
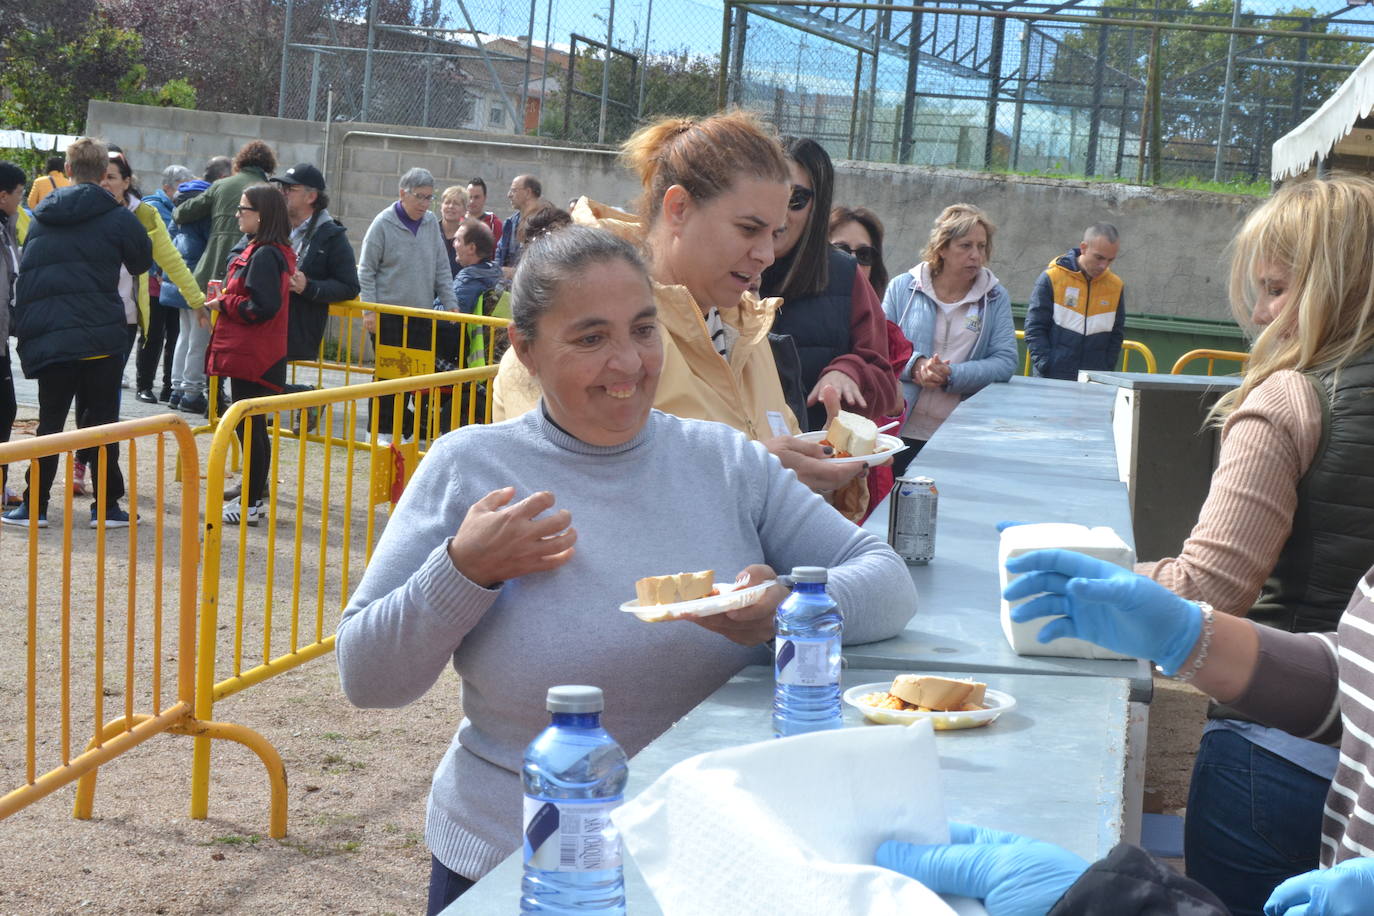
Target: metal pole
{"type": "Point", "coordinates": [606, 74]}
{"type": "Point", "coordinates": [1020, 96]}
{"type": "Point", "coordinates": [1224, 132]}
{"type": "Point", "coordinates": [736, 83]}
{"type": "Point", "coordinates": [314, 87]}
{"type": "Point", "coordinates": [1300, 77]}
{"type": "Point", "coordinates": [1156, 106]}
{"type": "Point", "coordinates": [285, 47]}
{"type": "Point", "coordinates": [644, 59]}
{"type": "Point", "coordinates": [367, 57]}
{"type": "Point", "coordinates": [994, 78]}
{"type": "Point", "coordinates": [1095, 122]}
{"type": "Point", "coordinates": [544, 75]}
{"type": "Point", "coordinates": [854, 102]}
{"type": "Point", "coordinates": [486, 58]}
{"type": "Point", "coordinates": [872, 87]}
{"type": "Point", "coordinates": [525, 84]}
{"type": "Point", "coordinates": [724, 56]}
{"type": "Point", "coordinates": [913, 63]}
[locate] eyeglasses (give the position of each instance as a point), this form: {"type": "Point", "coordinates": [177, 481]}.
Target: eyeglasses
{"type": "Point", "coordinates": [801, 198]}
{"type": "Point", "coordinates": [864, 254]}
{"type": "Point", "coordinates": [246, 209]}
{"type": "Point", "coordinates": [425, 197]}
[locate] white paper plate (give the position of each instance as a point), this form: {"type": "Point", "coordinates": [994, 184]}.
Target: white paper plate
{"type": "Point", "coordinates": [997, 703]}
{"type": "Point", "coordinates": [887, 446]}
{"type": "Point", "coordinates": [729, 599]}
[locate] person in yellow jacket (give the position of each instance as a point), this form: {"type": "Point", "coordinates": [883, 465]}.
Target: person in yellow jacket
{"type": "Point", "coordinates": [715, 193]}
{"type": "Point", "coordinates": [1076, 317]}
{"type": "Point", "coordinates": [45, 185]}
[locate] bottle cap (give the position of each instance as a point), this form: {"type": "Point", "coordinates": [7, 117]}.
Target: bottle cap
{"type": "Point", "coordinates": [576, 698]}
{"type": "Point", "coordinates": [810, 574]}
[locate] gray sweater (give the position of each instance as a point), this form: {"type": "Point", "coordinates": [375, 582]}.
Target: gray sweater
{"type": "Point", "coordinates": [398, 268]}
{"type": "Point", "coordinates": [682, 495]}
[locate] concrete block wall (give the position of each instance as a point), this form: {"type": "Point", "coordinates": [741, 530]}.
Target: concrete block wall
{"type": "Point", "coordinates": [1173, 242]}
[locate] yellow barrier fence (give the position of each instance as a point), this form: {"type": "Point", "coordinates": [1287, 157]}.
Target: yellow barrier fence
{"type": "Point", "coordinates": [1212, 357]}
{"type": "Point", "coordinates": [288, 574]}
{"type": "Point", "coordinates": [75, 644]}
{"type": "Point", "coordinates": [348, 355]}
{"type": "Point", "coordinates": [1127, 348]}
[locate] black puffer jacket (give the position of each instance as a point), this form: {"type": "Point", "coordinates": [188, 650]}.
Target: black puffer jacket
{"type": "Point", "coordinates": [67, 304]}
{"type": "Point", "coordinates": [331, 269]}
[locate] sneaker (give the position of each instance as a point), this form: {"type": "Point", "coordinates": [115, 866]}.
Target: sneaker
{"type": "Point", "coordinates": [79, 479]}
{"type": "Point", "coordinates": [115, 517]}
{"type": "Point", "coordinates": [194, 403]}
{"type": "Point", "coordinates": [20, 516]}
{"type": "Point", "coordinates": [233, 511]}
{"type": "Point", "coordinates": [174, 401]}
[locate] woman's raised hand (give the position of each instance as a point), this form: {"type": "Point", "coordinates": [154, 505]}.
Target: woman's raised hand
{"type": "Point", "coordinates": [844, 387]}
{"type": "Point", "coordinates": [497, 542]}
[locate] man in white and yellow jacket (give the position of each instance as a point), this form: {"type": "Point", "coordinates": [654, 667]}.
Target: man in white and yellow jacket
{"type": "Point", "coordinates": [1077, 313]}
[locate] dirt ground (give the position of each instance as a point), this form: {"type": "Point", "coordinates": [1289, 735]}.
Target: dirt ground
{"type": "Point", "coordinates": [358, 779]}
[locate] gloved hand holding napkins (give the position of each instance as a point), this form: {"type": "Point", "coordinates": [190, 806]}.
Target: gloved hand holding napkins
{"type": "Point", "coordinates": [791, 826]}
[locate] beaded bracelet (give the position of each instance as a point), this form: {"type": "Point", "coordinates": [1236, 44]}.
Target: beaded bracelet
{"type": "Point", "coordinates": [1203, 646]}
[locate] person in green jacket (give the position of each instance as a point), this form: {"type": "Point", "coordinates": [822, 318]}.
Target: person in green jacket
{"type": "Point", "coordinates": [254, 164]}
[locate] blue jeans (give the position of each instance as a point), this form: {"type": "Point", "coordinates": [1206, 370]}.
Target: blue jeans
{"type": "Point", "coordinates": [445, 886]}
{"type": "Point", "coordinates": [1254, 820]}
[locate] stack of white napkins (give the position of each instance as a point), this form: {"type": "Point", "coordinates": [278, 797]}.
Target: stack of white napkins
{"type": "Point", "coordinates": [1102, 543]}
{"type": "Point", "coordinates": [790, 826]}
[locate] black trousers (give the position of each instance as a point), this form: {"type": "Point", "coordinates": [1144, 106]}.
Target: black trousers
{"type": "Point", "coordinates": [164, 324]}
{"type": "Point", "coordinates": [9, 408]}
{"type": "Point", "coordinates": [260, 451]}
{"type": "Point", "coordinates": [902, 460]}
{"type": "Point", "coordinates": [94, 385]}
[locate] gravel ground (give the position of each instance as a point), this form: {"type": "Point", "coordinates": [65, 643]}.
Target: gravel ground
{"type": "Point", "coordinates": [357, 778]}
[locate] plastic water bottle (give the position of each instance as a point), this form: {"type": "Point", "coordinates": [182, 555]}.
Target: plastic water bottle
{"type": "Point", "coordinates": [574, 777]}
{"type": "Point", "coordinates": [806, 658]}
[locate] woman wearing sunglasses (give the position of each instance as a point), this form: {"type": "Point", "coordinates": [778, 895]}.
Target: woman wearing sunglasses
{"type": "Point", "coordinates": [858, 231]}
{"type": "Point", "coordinates": [957, 316]}
{"type": "Point", "coordinates": [828, 308]}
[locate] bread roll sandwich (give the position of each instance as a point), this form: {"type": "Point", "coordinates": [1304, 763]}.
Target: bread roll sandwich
{"type": "Point", "coordinates": [675, 588]}
{"type": "Point", "coordinates": [938, 693]}
{"type": "Point", "coordinates": [851, 435]}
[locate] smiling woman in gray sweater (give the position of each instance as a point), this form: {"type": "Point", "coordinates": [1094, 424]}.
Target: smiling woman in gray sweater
{"type": "Point", "coordinates": [474, 570]}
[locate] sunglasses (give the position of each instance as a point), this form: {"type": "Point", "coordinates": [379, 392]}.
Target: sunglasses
{"type": "Point", "coordinates": [864, 254]}
{"type": "Point", "coordinates": [246, 209]}
{"type": "Point", "coordinates": [800, 198]}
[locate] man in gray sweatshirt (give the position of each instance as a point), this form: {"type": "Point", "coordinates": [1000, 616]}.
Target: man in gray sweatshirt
{"type": "Point", "coordinates": [403, 262]}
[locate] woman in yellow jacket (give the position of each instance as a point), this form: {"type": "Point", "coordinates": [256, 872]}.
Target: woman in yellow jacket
{"type": "Point", "coordinates": [715, 191]}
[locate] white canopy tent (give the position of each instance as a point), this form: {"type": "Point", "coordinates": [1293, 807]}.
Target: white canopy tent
{"type": "Point", "coordinates": [1314, 138]}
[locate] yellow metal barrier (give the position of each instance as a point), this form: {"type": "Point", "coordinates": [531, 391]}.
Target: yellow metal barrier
{"type": "Point", "coordinates": [1212, 357]}
{"type": "Point", "coordinates": [74, 640]}
{"type": "Point", "coordinates": [1127, 348]}
{"type": "Point", "coordinates": [324, 492]}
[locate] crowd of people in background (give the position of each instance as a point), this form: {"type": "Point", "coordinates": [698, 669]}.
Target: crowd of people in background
{"type": "Point", "coordinates": [744, 296]}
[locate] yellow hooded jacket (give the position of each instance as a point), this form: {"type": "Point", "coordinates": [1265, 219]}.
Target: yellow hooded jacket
{"type": "Point", "coordinates": [695, 382]}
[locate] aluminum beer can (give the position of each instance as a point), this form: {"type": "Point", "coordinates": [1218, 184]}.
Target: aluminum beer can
{"type": "Point", "coordinates": [911, 519]}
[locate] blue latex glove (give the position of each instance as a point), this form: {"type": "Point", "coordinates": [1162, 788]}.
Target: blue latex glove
{"type": "Point", "coordinates": [1013, 875]}
{"type": "Point", "coordinates": [1104, 604]}
{"type": "Point", "coordinates": [1345, 889]}
{"type": "Point", "coordinates": [1003, 526]}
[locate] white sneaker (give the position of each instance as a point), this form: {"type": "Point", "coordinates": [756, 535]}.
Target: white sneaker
{"type": "Point", "coordinates": [384, 441]}
{"type": "Point", "coordinates": [233, 512]}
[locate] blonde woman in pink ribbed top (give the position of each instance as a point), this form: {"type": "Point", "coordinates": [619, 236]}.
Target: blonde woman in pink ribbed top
{"type": "Point", "coordinates": [1288, 526]}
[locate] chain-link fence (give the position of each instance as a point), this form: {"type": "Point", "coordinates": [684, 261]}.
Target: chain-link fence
{"type": "Point", "coordinates": [1066, 90]}
{"type": "Point", "coordinates": [535, 67]}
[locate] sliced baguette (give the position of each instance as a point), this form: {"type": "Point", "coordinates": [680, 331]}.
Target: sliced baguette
{"type": "Point", "coordinates": [939, 693]}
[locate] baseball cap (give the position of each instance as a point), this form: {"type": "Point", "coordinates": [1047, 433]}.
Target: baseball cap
{"type": "Point", "coordinates": [304, 173]}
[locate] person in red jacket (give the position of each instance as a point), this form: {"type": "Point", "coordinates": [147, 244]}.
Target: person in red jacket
{"type": "Point", "coordinates": [249, 342]}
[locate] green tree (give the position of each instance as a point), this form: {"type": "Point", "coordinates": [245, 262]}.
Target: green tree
{"type": "Point", "coordinates": [677, 84]}
{"type": "Point", "coordinates": [1268, 99]}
